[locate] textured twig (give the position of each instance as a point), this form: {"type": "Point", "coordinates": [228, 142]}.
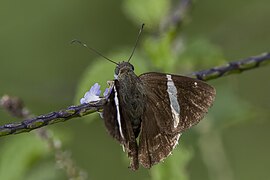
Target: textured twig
{"type": "Point", "coordinates": [233, 67]}
{"type": "Point", "coordinates": [84, 109]}
{"type": "Point", "coordinates": [176, 16]}
{"type": "Point", "coordinates": [15, 107]}
{"type": "Point", "coordinates": [51, 118]}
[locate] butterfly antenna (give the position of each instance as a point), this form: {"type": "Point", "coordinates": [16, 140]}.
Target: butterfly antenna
{"type": "Point", "coordinates": [92, 49]}
{"type": "Point", "coordinates": [137, 40]}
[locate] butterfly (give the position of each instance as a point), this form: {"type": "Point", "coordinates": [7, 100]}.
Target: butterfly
{"type": "Point", "coordinates": [154, 108]}
{"type": "Point", "coordinates": [148, 113]}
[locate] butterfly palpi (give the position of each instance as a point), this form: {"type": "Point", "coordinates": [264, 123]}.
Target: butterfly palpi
{"type": "Point", "coordinates": [155, 108]}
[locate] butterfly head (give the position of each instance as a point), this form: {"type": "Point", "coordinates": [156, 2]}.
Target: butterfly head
{"type": "Point", "coordinates": [123, 68]}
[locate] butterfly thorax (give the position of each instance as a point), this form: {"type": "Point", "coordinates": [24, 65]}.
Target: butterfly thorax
{"type": "Point", "coordinates": [131, 95]}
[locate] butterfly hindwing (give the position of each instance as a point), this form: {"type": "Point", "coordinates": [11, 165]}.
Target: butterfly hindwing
{"type": "Point", "coordinates": [154, 143]}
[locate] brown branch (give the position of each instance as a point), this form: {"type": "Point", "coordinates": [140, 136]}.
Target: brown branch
{"type": "Point", "coordinates": [15, 107]}
{"type": "Point", "coordinates": [85, 109]}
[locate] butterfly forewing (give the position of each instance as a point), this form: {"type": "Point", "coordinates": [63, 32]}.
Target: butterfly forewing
{"type": "Point", "coordinates": [194, 98]}
{"type": "Point", "coordinates": [110, 116]}
{"type": "Point", "coordinates": [174, 104]}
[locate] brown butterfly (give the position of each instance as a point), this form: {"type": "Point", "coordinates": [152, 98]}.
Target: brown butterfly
{"type": "Point", "coordinates": [156, 108]}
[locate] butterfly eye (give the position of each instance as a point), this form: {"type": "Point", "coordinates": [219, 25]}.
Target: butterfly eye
{"type": "Point", "coordinates": [132, 67]}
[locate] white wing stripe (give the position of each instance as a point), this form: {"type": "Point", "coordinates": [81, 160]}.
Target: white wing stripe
{"type": "Point", "coordinates": [118, 111]}
{"type": "Point", "coordinates": [175, 108]}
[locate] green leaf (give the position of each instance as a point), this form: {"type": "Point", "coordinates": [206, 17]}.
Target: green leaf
{"type": "Point", "coordinates": [19, 155]}
{"type": "Point", "coordinates": [160, 52]}
{"type": "Point", "coordinates": [46, 171]}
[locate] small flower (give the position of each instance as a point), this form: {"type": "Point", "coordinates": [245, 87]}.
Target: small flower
{"type": "Point", "coordinates": [107, 92]}
{"type": "Point", "coordinates": [92, 94]}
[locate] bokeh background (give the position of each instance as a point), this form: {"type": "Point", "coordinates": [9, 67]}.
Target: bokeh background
{"type": "Point", "coordinates": [39, 65]}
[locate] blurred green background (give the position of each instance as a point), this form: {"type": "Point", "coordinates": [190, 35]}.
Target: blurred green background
{"type": "Point", "coordinates": [38, 64]}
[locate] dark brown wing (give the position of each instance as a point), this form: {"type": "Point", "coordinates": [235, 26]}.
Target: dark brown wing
{"type": "Point", "coordinates": [159, 135]}
{"type": "Point", "coordinates": [111, 122]}
{"type": "Point", "coordinates": [155, 144]}
{"type": "Point", "coordinates": [110, 118]}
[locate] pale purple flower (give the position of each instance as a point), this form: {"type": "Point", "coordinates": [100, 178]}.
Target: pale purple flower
{"type": "Point", "coordinates": [92, 94]}
{"type": "Point", "coordinates": [107, 92]}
